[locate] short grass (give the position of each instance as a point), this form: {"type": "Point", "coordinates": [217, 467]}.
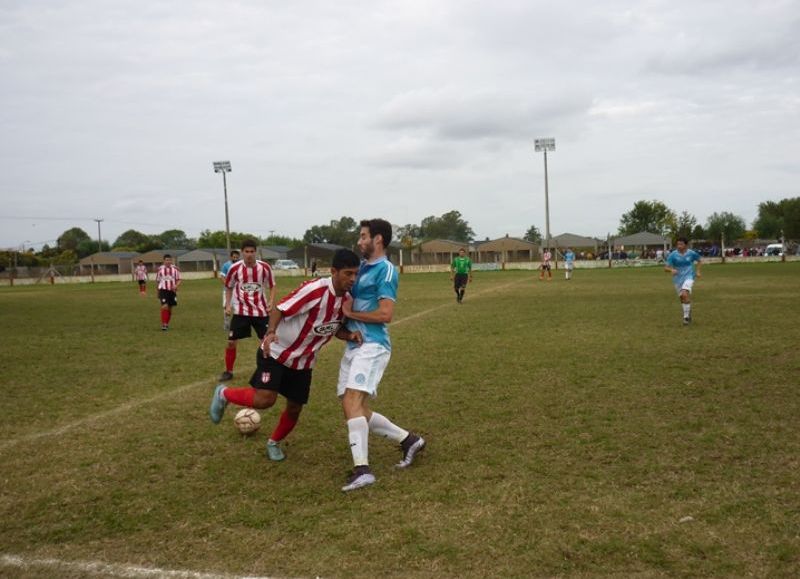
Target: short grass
{"type": "Point", "coordinates": [575, 429]}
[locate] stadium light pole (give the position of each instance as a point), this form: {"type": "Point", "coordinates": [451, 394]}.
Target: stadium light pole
{"type": "Point", "coordinates": [99, 239]}
{"type": "Point", "coordinates": [225, 167]}
{"type": "Point", "coordinates": [545, 145]}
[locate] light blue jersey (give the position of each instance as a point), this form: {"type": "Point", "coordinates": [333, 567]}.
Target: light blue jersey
{"type": "Point", "coordinates": [684, 263]}
{"type": "Point", "coordinates": [225, 267]}
{"type": "Point", "coordinates": [569, 257]}
{"type": "Point", "coordinates": [376, 281]}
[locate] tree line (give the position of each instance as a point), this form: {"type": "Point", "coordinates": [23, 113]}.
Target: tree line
{"type": "Point", "coordinates": [775, 219]}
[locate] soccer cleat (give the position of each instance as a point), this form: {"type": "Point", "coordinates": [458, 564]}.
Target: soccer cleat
{"type": "Point", "coordinates": [411, 446]}
{"type": "Point", "coordinates": [164, 327]}
{"type": "Point", "coordinates": [218, 404]}
{"type": "Point", "coordinates": [274, 451]}
{"type": "Point", "coordinates": [225, 376]}
{"type": "Point", "coordinates": [687, 320]}
{"type": "Point", "coordinates": [361, 477]}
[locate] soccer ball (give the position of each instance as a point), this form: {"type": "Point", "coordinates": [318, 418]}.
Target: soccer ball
{"type": "Point", "coordinates": [247, 421]}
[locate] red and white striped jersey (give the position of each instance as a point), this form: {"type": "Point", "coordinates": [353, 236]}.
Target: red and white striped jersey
{"type": "Point", "coordinates": [311, 315]}
{"type": "Point", "coordinates": [248, 284]}
{"type": "Point", "coordinates": [547, 257]}
{"type": "Point", "coordinates": [141, 272]}
{"type": "Point", "coordinates": [168, 277]}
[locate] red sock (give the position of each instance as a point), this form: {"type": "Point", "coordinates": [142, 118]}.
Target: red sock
{"type": "Point", "coordinates": [284, 427]}
{"type": "Point", "coordinates": [169, 315]}
{"type": "Point", "coordinates": [164, 317]}
{"type": "Point", "coordinates": [230, 358]}
{"type": "Point", "coordinates": [240, 396]}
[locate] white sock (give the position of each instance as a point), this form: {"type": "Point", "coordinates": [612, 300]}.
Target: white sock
{"type": "Point", "coordinates": [358, 433]}
{"type": "Point", "coordinates": [687, 308]}
{"type": "Point", "coordinates": [381, 425]}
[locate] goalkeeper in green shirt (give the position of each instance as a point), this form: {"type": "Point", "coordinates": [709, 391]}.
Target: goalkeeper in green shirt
{"type": "Point", "coordinates": [461, 273]}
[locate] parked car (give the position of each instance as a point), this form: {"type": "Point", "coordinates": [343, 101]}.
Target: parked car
{"type": "Point", "coordinates": [285, 264]}
{"type": "Point", "coordinates": [774, 249]}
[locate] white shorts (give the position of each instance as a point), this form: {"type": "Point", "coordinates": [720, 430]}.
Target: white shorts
{"type": "Point", "coordinates": [686, 287]}
{"type": "Point", "coordinates": [362, 368]}
{"type": "Point", "coordinates": [569, 265]}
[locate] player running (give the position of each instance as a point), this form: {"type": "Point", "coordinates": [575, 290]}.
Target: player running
{"type": "Point", "coordinates": [546, 257]}
{"type": "Point", "coordinates": [245, 301]}
{"type": "Point", "coordinates": [461, 273]}
{"type": "Point", "coordinates": [299, 326]}
{"type": "Point", "coordinates": [140, 273]}
{"type": "Point", "coordinates": [684, 264]}
{"type": "Point", "coordinates": [362, 366]}
{"type": "Point", "coordinates": [234, 257]}
{"type": "Point", "coordinates": [168, 279]}
{"type": "Point", "coordinates": [569, 263]}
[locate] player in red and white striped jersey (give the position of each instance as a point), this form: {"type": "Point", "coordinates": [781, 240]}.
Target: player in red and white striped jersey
{"type": "Point", "coordinates": [168, 278]}
{"type": "Point", "coordinates": [140, 273]}
{"type": "Point", "coordinates": [246, 302]}
{"type": "Point", "coordinates": [299, 326]}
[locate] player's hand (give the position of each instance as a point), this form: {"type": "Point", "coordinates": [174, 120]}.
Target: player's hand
{"type": "Point", "coordinates": [347, 308]}
{"type": "Point", "coordinates": [698, 274]}
{"type": "Point", "coordinates": [356, 337]}
{"type": "Point", "coordinates": [228, 310]}
{"type": "Point", "coordinates": [269, 338]}
{"type": "Point", "coordinates": [269, 307]}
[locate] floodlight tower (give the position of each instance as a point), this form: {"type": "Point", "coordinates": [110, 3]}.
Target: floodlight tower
{"type": "Point", "coordinates": [545, 145]}
{"type": "Point", "coordinates": [99, 238]}
{"type": "Point", "coordinates": [225, 167]}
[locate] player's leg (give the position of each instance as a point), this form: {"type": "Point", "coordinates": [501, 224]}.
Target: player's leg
{"type": "Point", "coordinates": [239, 329]}
{"type": "Point", "coordinates": [295, 386]}
{"type": "Point", "coordinates": [163, 299]}
{"type": "Point", "coordinates": [686, 301]}
{"type": "Point", "coordinates": [262, 392]}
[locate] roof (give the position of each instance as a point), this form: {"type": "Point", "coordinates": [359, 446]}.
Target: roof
{"type": "Point", "coordinates": [572, 240]}
{"type": "Point", "coordinates": [205, 254]}
{"type": "Point", "coordinates": [507, 243]}
{"type": "Point", "coordinates": [443, 246]}
{"type": "Point", "coordinates": [642, 238]}
{"type": "Point", "coordinates": [109, 256]}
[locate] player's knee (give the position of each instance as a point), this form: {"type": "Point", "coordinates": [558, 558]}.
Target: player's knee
{"type": "Point", "coordinates": [293, 410]}
{"type": "Point", "coordinates": [264, 399]}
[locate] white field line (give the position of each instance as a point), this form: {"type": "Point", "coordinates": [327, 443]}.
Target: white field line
{"type": "Point", "coordinates": [102, 569]}
{"type": "Point", "coordinates": [6, 444]}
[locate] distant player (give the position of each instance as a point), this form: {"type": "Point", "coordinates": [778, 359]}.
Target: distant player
{"type": "Point", "coordinates": [569, 263]}
{"type": "Point", "coordinates": [299, 326]}
{"type": "Point", "coordinates": [461, 273]}
{"type": "Point", "coordinates": [246, 302]}
{"type": "Point", "coordinates": [234, 257]}
{"type": "Point", "coordinates": [168, 280]}
{"type": "Point", "coordinates": [546, 257]}
{"type": "Point", "coordinates": [140, 273]}
{"type": "Point", "coordinates": [363, 364]}
{"type": "Point", "coordinates": [684, 264]}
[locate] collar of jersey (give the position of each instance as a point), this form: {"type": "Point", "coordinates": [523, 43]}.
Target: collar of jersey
{"type": "Point", "coordinates": [376, 262]}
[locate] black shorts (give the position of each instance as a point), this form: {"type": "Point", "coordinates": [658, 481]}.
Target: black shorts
{"type": "Point", "coordinates": [460, 280]}
{"type": "Point", "coordinates": [142, 283]}
{"type": "Point", "coordinates": [546, 266]}
{"type": "Point", "coordinates": [167, 298]}
{"type": "Point", "coordinates": [239, 326]}
{"type": "Point", "coordinates": [294, 385]}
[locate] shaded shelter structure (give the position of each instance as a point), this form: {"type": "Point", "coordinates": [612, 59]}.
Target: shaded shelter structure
{"type": "Point", "coordinates": [321, 252]}
{"type": "Point", "coordinates": [576, 242]}
{"type": "Point", "coordinates": [109, 262]}
{"type": "Point", "coordinates": [507, 249]}
{"type": "Point", "coordinates": [643, 241]}
{"type": "Point", "coordinates": [440, 251]}
{"type": "Point", "coordinates": [152, 259]}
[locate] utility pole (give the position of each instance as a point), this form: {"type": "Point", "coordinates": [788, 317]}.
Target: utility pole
{"type": "Point", "coordinates": [99, 239]}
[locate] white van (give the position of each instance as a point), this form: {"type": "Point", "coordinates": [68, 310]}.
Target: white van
{"type": "Point", "coordinates": [774, 249]}
{"type": "Point", "coordinates": [285, 264]}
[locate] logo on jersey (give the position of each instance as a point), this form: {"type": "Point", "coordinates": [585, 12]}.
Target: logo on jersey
{"type": "Point", "coordinates": [360, 379]}
{"type": "Point", "coordinates": [265, 377]}
{"type": "Point", "coordinates": [251, 287]}
{"type": "Point", "coordinates": [327, 329]}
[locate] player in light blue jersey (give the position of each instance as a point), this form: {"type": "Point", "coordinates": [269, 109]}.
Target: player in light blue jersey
{"type": "Point", "coordinates": [374, 295]}
{"type": "Point", "coordinates": [569, 263]}
{"type": "Point", "coordinates": [681, 263]}
{"type": "Point", "coordinates": [223, 272]}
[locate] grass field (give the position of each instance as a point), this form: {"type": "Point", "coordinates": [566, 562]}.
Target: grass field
{"type": "Point", "coordinates": [575, 429]}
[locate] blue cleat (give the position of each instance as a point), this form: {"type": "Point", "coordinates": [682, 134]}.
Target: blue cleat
{"type": "Point", "coordinates": [274, 451]}
{"type": "Point", "coordinates": [218, 404]}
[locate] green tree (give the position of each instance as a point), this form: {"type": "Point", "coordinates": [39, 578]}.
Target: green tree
{"type": "Point", "coordinates": [652, 216]}
{"type": "Point", "coordinates": [135, 241]}
{"type": "Point", "coordinates": [533, 234]}
{"type": "Point", "coordinates": [774, 218]}
{"type": "Point", "coordinates": [342, 232]}
{"type": "Point", "coordinates": [71, 238]}
{"type": "Point", "coordinates": [685, 225]}
{"type": "Point", "coordinates": [698, 232]}
{"type": "Point", "coordinates": [727, 224]}
{"type": "Point", "coordinates": [216, 239]}
{"type": "Point", "coordinates": [408, 235]}
{"type": "Point", "coordinates": [448, 226]}
{"type": "Point", "coordinates": [89, 246]}
{"type": "Point", "coordinates": [176, 239]}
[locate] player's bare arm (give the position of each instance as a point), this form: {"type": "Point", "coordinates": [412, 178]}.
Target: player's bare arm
{"type": "Point", "coordinates": [228, 297]}
{"type": "Point", "coordinates": [383, 315]}
{"type": "Point", "coordinates": [271, 300]}
{"type": "Point", "coordinates": [697, 270]}
{"type": "Point", "coordinates": [347, 336]}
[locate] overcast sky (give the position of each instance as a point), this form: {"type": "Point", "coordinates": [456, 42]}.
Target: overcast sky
{"type": "Point", "coordinates": [116, 109]}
